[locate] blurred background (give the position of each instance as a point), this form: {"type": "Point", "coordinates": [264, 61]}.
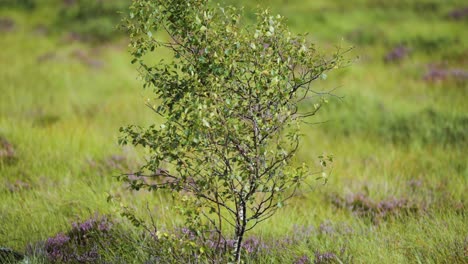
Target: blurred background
{"type": "Point", "coordinates": [399, 134]}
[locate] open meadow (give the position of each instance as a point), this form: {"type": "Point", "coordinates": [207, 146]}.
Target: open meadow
{"type": "Point", "coordinates": [397, 191]}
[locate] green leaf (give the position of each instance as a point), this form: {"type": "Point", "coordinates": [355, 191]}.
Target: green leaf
{"type": "Point", "coordinates": [205, 123]}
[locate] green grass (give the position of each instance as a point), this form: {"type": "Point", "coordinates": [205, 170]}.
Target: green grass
{"type": "Point", "coordinates": [391, 129]}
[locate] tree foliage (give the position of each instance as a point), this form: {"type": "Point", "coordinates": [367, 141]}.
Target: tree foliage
{"type": "Point", "coordinates": [230, 99]}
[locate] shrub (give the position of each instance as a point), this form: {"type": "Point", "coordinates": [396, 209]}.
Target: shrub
{"type": "Point", "coordinates": [230, 99]}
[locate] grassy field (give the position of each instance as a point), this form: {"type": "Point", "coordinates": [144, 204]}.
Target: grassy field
{"type": "Point", "coordinates": [398, 191]}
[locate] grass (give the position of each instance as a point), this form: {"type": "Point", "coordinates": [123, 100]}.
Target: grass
{"type": "Point", "coordinates": [393, 135]}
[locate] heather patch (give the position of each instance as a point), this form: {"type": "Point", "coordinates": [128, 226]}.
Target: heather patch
{"type": "Point", "coordinates": [87, 59]}
{"type": "Point", "coordinates": [459, 13]}
{"type": "Point", "coordinates": [82, 244]}
{"type": "Point", "coordinates": [397, 54]}
{"type": "Point", "coordinates": [324, 257]}
{"type": "Point", "coordinates": [113, 163]}
{"type": "Point", "coordinates": [437, 74]}
{"type": "Point", "coordinates": [7, 24]}
{"type": "Point", "coordinates": [17, 186]}
{"type": "Point", "coordinates": [7, 152]}
{"type": "Point", "coordinates": [304, 259]}
{"type": "Point", "coordinates": [377, 211]}
{"type": "Point", "coordinates": [184, 245]}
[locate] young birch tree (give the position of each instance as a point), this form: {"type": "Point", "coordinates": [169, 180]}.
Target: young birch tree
{"type": "Point", "coordinates": [230, 102]}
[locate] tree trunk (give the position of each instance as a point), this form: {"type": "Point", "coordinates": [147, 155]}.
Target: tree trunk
{"type": "Point", "coordinates": [240, 231]}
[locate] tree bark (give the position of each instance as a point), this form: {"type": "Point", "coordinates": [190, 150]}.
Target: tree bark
{"type": "Point", "coordinates": [240, 231]}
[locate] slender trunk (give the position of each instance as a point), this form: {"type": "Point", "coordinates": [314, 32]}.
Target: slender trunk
{"type": "Point", "coordinates": [240, 231]}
